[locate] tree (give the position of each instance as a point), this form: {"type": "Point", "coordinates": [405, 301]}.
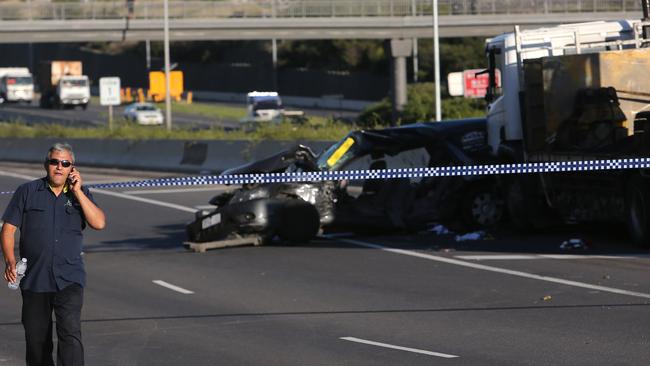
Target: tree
{"type": "Point", "coordinates": [420, 108]}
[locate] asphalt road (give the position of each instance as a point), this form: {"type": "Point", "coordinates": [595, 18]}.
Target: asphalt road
{"type": "Point", "coordinates": [417, 299]}
{"type": "Point", "coordinates": [97, 115]}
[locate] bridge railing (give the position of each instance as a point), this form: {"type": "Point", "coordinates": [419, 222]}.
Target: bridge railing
{"type": "Point", "coordinates": [153, 9]}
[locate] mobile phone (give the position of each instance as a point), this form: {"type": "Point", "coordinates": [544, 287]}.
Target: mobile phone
{"type": "Point", "coordinates": [69, 177]}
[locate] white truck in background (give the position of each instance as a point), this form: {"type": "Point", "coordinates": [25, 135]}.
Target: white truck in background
{"type": "Point", "coordinates": [575, 92]}
{"type": "Point", "coordinates": [62, 84]}
{"type": "Point", "coordinates": [16, 85]}
{"type": "Point", "coordinates": [267, 107]}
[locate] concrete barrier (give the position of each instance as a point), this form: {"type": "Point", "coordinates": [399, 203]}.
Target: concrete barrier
{"type": "Point", "coordinates": [211, 157]}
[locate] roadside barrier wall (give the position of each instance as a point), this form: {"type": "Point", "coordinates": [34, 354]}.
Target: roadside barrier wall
{"type": "Point", "coordinates": [199, 156]}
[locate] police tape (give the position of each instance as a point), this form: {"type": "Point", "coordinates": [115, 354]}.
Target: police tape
{"type": "Point", "coordinates": [429, 172]}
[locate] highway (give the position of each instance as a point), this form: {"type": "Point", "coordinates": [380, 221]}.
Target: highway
{"type": "Point", "coordinates": [97, 115]}
{"type": "Point", "coordinates": [407, 299]}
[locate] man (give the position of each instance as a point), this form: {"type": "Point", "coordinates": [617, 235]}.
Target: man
{"type": "Point", "coordinates": [50, 213]}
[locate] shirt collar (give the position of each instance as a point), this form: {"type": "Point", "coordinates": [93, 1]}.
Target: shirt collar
{"type": "Point", "coordinates": [47, 185]}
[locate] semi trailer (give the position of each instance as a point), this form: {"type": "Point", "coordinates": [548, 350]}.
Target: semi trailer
{"type": "Point", "coordinates": [62, 84]}
{"type": "Point", "coordinates": [575, 92]}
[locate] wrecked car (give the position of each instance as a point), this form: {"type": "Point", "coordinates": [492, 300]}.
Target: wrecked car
{"type": "Point", "coordinates": [296, 212]}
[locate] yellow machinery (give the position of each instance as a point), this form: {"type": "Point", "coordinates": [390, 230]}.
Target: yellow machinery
{"type": "Point", "coordinates": [157, 85]}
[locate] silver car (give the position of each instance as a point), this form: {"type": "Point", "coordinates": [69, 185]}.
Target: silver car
{"type": "Point", "coordinates": [144, 114]}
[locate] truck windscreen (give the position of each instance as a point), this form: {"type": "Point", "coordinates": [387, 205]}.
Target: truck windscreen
{"type": "Point", "coordinates": [266, 104]}
{"type": "Point", "coordinates": [71, 83]}
{"type": "Point", "coordinates": [20, 80]}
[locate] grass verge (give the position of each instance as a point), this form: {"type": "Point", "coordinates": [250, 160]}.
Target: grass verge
{"type": "Point", "coordinates": [286, 131]}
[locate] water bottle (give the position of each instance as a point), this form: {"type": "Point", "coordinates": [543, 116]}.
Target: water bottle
{"type": "Point", "coordinates": [21, 268]}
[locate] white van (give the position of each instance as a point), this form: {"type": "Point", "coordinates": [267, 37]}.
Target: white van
{"type": "Point", "coordinates": [263, 107]}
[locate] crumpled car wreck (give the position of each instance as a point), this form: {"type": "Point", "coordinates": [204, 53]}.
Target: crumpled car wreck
{"type": "Point", "coordinates": [296, 212]}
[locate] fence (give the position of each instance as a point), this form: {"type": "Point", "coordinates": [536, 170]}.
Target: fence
{"type": "Point", "coordinates": [227, 9]}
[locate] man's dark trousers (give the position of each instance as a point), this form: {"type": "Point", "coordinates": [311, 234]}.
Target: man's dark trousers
{"type": "Point", "coordinates": [37, 320]}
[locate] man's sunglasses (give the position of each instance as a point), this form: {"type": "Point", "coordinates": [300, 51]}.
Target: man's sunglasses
{"type": "Point", "coordinates": [55, 162]}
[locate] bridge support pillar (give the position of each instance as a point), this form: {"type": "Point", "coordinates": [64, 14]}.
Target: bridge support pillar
{"type": "Point", "coordinates": [399, 50]}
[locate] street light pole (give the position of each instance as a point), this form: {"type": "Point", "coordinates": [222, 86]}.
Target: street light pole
{"type": "Point", "coordinates": [168, 102]}
{"type": "Point", "coordinates": [414, 11]}
{"type": "Point", "coordinates": [436, 59]}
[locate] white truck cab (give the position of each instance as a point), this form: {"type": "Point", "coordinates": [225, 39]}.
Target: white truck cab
{"type": "Point", "coordinates": [263, 107]}
{"type": "Point", "coordinates": [16, 85]}
{"type": "Point", "coordinates": [74, 90]}
{"type": "Point", "coordinates": [508, 51]}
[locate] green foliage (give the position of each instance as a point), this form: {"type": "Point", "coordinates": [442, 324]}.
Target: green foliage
{"type": "Point", "coordinates": [337, 54]}
{"type": "Point", "coordinates": [420, 108]}
{"type": "Point", "coordinates": [421, 99]}
{"type": "Point", "coordinates": [459, 107]}
{"type": "Point", "coordinates": [211, 110]}
{"type": "Point", "coordinates": [285, 131]}
{"type": "Point", "coordinates": [376, 115]}
{"type": "Point", "coordinates": [456, 54]}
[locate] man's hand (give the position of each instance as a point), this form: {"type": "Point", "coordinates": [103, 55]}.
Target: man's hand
{"type": "Point", "coordinates": [7, 237]}
{"type": "Point", "coordinates": [10, 272]}
{"type": "Point", "coordinates": [75, 180]}
{"type": "Point", "coordinates": [94, 215]}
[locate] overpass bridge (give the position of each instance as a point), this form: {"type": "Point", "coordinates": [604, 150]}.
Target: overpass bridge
{"type": "Point", "coordinates": [87, 21]}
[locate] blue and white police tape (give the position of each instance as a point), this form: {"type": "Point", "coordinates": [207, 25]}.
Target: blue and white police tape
{"type": "Point", "coordinates": [430, 172]}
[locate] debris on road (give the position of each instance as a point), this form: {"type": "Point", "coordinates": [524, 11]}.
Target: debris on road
{"type": "Point", "coordinates": [440, 230]}
{"type": "Point", "coordinates": [202, 247]}
{"type": "Point", "coordinates": [547, 298]}
{"type": "Point", "coordinates": [477, 235]}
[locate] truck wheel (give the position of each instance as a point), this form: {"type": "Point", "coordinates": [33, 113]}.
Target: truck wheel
{"type": "Point", "coordinates": [84, 106]}
{"type": "Point", "coordinates": [300, 222]}
{"type": "Point", "coordinates": [637, 206]}
{"type": "Point", "coordinates": [482, 207]}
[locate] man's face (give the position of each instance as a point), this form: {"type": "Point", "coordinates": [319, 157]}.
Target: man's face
{"type": "Point", "coordinates": [57, 174]}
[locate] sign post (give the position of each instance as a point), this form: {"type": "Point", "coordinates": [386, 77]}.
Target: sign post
{"type": "Point", "coordinates": [109, 95]}
{"type": "Point", "coordinates": [476, 82]}
{"type": "Point", "coordinates": [470, 83]}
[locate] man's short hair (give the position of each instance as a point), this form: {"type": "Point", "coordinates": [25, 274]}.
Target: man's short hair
{"type": "Point", "coordinates": [60, 146]}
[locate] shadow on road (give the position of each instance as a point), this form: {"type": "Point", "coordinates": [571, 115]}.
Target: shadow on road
{"type": "Point", "coordinates": [598, 239]}
{"type": "Point", "coordinates": [169, 237]}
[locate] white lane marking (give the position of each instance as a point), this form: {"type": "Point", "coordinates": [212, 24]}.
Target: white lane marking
{"type": "Point", "coordinates": [205, 207]}
{"type": "Point", "coordinates": [581, 256]}
{"type": "Point", "coordinates": [179, 190]}
{"type": "Point", "coordinates": [18, 175]}
{"type": "Point", "coordinates": [497, 269]}
{"type": "Point", "coordinates": [496, 257]}
{"type": "Point", "coordinates": [484, 257]}
{"type": "Point", "coordinates": [407, 349]}
{"type": "Point", "coordinates": [116, 194]}
{"type": "Point", "coordinates": [173, 287]}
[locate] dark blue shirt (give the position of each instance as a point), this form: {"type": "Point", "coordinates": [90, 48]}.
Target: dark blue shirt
{"type": "Point", "coordinates": [50, 235]}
